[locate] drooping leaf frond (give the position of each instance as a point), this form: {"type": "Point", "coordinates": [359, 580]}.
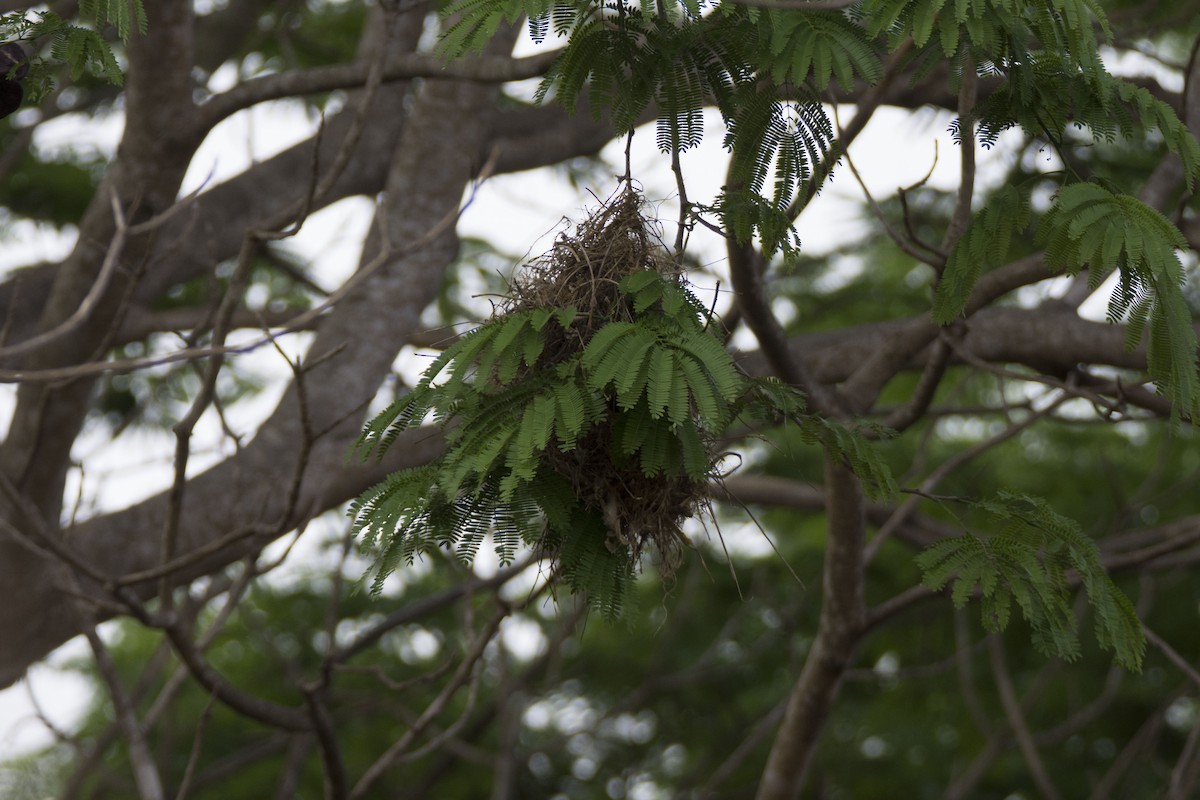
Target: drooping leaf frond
{"type": "Point", "coordinates": [81, 49]}
{"type": "Point", "coordinates": [1091, 227]}
{"type": "Point", "coordinates": [1027, 558]}
{"type": "Point", "coordinates": [586, 431]}
{"type": "Point", "coordinates": [812, 47]}
{"type": "Point", "coordinates": [124, 15]}
{"type": "Point", "coordinates": [983, 246]}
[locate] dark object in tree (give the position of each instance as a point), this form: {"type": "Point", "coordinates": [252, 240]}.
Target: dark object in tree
{"type": "Point", "coordinates": [14, 65]}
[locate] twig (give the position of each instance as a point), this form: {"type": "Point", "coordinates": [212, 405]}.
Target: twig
{"type": "Point", "coordinates": [1173, 656]}
{"type": "Point", "coordinates": [1070, 387]}
{"type": "Point", "coordinates": [1183, 776]}
{"type": "Point", "coordinates": [906, 415]}
{"type": "Point", "coordinates": [746, 268]}
{"type": "Point", "coordinates": [184, 427]}
{"type": "Point", "coordinates": [145, 771]}
{"type": "Point", "coordinates": [327, 742]}
{"type": "Point", "coordinates": [424, 607]}
{"type": "Point", "coordinates": [1016, 721]}
{"type": "Point", "coordinates": [1145, 737]}
{"type": "Point", "coordinates": [295, 757]}
{"type": "Point", "coordinates": [866, 104]}
{"type": "Point", "coordinates": [265, 711]}
{"type": "Point", "coordinates": [435, 708]}
{"type": "Point", "coordinates": [684, 205]}
{"type": "Point", "coordinates": [350, 76]}
{"type": "Point", "coordinates": [81, 314]}
{"type": "Point", "coordinates": [907, 244]}
{"type": "Point", "coordinates": [746, 747]}
{"type": "Point", "coordinates": [966, 674]}
{"type": "Point", "coordinates": [961, 217]}
{"type": "Point", "coordinates": [964, 786]}
{"type": "Point", "coordinates": [46, 541]}
{"type": "Point", "coordinates": [950, 466]}
{"type": "Point", "coordinates": [299, 322]}
{"type": "Point", "coordinates": [194, 756]}
{"type": "Point", "coordinates": [877, 615]}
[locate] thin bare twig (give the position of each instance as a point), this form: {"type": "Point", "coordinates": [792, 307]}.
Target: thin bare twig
{"type": "Point", "coordinates": [189, 771]}
{"type": "Point", "coordinates": [1184, 775]}
{"type": "Point", "coordinates": [145, 771]}
{"type": "Point", "coordinates": [949, 467]}
{"type": "Point", "coordinates": [1141, 741]}
{"type": "Point", "coordinates": [435, 708]}
{"type": "Point", "coordinates": [1016, 721]}
{"type": "Point", "coordinates": [300, 322]}
{"type": "Point", "coordinates": [968, 89]}
{"type": "Point", "coordinates": [327, 742]}
{"type": "Point", "coordinates": [294, 83]}
{"type": "Point", "coordinates": [1173, 656]}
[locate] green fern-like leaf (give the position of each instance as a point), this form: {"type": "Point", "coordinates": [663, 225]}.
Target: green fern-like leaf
{"type": "Point", "coordinates": [472, 23]}
{"type": "Point", "coordinates": [983, 246]}
{"type": "Point", "coordinates": [124, 15]}
{"type": "Point", "coordinates": [858, 452]}
{"type": "Point", "coordinates": [1027, 559]}
{"type": "Point", "coordinates": [1092, 227]}
{"type": "Point", "coordinates": [591, 568]}
{"type": "Point", "coordinates": [816, 46]}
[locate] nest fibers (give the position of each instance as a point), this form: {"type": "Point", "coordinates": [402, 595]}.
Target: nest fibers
{"type": "Point", "coordinates": [584, 271]}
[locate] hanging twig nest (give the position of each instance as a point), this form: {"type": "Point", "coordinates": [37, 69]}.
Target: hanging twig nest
{"type": "Point", "coordinates": [585, 413]}
{"type": "Point", "coordinates": [585, 271]}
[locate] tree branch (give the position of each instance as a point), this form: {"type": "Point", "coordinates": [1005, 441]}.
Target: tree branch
{"type": "Point", "coordinates": [843, 613]}
{"type": "Point", "coordinates": [401, 66]}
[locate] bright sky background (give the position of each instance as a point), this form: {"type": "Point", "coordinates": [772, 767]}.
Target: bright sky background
{"type": "Point", "coordinates": [519, 213]}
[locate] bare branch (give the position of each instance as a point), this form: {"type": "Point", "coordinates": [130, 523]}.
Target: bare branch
{"type": "Point", "coordinates": [189, 771]}
{"type": "Point", "coordinates": [145, 771]}
{"type": "Point", "coordinates": [398, 748]}
{"type": "Point", "coordinates": [405, 66]}
{"type": "Point", "coordinates": [843, 614]}
{"type": "Point", "coordinates": [1016, 720]}
{"type": "Point", "coordinates": [1190, 672]}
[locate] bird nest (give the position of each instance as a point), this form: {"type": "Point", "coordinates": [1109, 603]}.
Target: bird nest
{"type": "Point", "coordinates": [584, 270]}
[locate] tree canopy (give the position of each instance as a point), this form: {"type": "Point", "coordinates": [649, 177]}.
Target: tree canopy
{"type": "Point", "coordinates": [902, 517]}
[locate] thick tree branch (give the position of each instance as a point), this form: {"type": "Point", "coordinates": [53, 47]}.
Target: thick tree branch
{"type": "Point", "coordinates": [843, 613]}
{"type": "Point", "coordinates": [401, 66]}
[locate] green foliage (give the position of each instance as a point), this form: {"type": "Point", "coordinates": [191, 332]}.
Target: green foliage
{"type": "Point", "coordinates": [856, 451]}
{"type": "Point", "coordinates": [121, 14]}
{"type": "Point", "coordinates": [816, 46]}
{"type": "Point", "coordinates": [1009, 28]}
{"type": "Point", "coordinates": [1092, 227]}
{"type": "Point", "coordinates": [1029, 560]}
{"type": "Point", "coordinates": [81, 49]}
{"type": "Point", "coordinates": [1046, 96]}
{"type": "Point", "coordinates": [124, 15]}
{"type": "Point", "coordinates": [764, 69]}
{"type": "Point", "coordinates": [518, 409]}
{"type": "Point", "coordinates": [681, 55]}
{"type": "Point", "coordinates": [984, 246]}
{"type": "Point", "coordinates": [585, 445]}
{"type": "Point", "coordinates": [55, 191]}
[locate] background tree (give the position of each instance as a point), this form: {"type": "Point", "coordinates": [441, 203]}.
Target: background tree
{"type": "Point", "coordinates": [1037, 452]}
